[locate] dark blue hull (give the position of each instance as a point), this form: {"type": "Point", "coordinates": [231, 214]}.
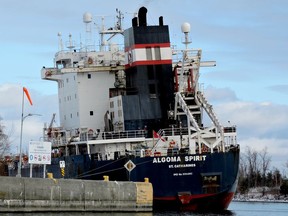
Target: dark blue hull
{"type": "Point", "coordinates": [188, 182]}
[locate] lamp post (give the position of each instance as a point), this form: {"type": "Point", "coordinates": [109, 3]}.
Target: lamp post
{"type": "Point", "coordinates": [20, 145]}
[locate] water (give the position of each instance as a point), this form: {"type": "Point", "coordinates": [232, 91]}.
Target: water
{"type": "Point", "coordinates": [235, 209]}
{"type": "Point", "coordinates": [258, 208]}
{"type": "Point", "coordinates": [242, 209]}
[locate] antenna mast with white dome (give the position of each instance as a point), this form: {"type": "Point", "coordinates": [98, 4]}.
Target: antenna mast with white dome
{"type": "Point", "coordinates": [87, 19]}
{"type": "Point", "coordinates": [185, 27]}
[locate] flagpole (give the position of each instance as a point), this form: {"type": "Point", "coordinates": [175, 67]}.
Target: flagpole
{"type": "Point", "coordinates": [20, 145]}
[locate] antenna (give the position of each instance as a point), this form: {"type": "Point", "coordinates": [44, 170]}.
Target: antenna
{"type": "Point", "coordinates": [112, 31]}
{"type": "Point", "coordinates": [60, 43]}
{"type": "Point", "coordinates": [119, 17]}
{"type": "Point", "coordinates": [70, 45]}
{"type": "Point", "coordinates": [102, 34]}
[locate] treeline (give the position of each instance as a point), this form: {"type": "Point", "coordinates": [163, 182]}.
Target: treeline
{"type": "Point", "coordinates": [4, 140]}
{"type": "Point", "coordinates": [254, 171]}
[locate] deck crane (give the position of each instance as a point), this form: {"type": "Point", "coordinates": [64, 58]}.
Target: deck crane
{"type": "Point", "coordinates": [49, 131]}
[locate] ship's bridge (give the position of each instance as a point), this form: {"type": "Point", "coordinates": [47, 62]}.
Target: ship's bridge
{"type": "Point", "coordinates": [81, 62]}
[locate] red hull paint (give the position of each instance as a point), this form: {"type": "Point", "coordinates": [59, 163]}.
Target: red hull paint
{"type": "Point", "coordinates": [202, 202]}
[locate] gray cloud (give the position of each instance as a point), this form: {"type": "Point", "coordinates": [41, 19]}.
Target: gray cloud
{"type": "Point", "coordinates": [259, 124]}
{"type": "Point", "coordinates": [216, 95]}
{"type": "Point", "coordinates": [283, 89]}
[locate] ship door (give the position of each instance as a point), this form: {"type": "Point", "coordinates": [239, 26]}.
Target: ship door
{"type": "Point", "coordinates": [116, 155]}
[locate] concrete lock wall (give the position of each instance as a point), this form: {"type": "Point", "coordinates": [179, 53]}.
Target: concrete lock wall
{"type": "Point", "coordinates": [35, 194]}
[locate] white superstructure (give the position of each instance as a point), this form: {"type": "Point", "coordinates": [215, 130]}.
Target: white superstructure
{"type": "Point", "coordinates": [84, 77]}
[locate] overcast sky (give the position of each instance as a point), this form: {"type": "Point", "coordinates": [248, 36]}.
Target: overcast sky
{"type": "Point", "coordinates": [247, 39]}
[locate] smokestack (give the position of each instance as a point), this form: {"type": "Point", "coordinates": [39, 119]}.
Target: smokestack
{"type": "Point", "coordinates": [161, 21]}
{"type": "Point", "coordinates": [142, 16]}
{"type": "Point", "coordinates": [135, 21]}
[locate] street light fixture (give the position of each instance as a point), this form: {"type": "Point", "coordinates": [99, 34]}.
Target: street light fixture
{"type": "Point", "coordinates": [20, 145]}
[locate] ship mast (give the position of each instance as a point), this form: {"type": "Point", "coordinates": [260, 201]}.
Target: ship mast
{"type": "Point", "coordinates": [185, 29]}
{"type": "Point", "coordinates": [117, 29]}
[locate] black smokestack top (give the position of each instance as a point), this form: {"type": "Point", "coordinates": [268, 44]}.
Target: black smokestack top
{"type": "Point", "coordinates": [161, 21]}
{"type": "Point", "coordinates": [142, 16]}
{"type": "Point", "coordinates": [135, 21]}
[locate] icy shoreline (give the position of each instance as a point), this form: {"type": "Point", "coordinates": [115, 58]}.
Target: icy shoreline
{"type": "Point", "coordinates": [260, 200]}
{"type": "Point", "coordinates": [261, 194]}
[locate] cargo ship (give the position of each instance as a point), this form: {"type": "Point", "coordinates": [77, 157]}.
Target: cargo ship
{"type": "Point", "coordinates": [136, 112]}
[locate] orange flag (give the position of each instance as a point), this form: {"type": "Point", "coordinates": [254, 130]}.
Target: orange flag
{"type": "Point", "coordinates": [27, 95]}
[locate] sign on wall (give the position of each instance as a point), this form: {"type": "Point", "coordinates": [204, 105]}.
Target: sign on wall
{"type": "Point", "coordinates": [39, 152]}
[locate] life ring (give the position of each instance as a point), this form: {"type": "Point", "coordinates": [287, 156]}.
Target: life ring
{"type": "Point", "coordinates": [204, 148]}
{"type": "Point", "coordinates": [48, 73]}
{"type": "Point", "coordinates": [148, 152]}
{"type": "Point", "coordinates": [157, 154]}
{"type": "Point", "coordinates": [90, 60]}
{"type": "Point", "coordinates": [172, 144]}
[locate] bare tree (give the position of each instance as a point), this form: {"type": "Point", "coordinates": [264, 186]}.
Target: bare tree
{"type": "Point", "coordinates": [243, 172]}
{"type": "Point", "coordinates": [285, 167]}
{"type": "Point", "coordinates": [265, 162]}
{"type": "Point", "coordinates": [4, 140]}
{"type": "Point", "coordinates": [253, 166]}
{"type": "Point", "coordinates": [277, 177]}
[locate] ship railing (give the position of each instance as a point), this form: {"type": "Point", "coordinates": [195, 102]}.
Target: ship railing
{"type": "Point", "coordinates": [49, 72]}
{"type": "Point", "coordinates": [124, 134]}
{"type": "Point", "coordinates": [91, 48]}
{"type": "Point", "coordinates": [184, 131]}
{"type": "Point", "coordinates": [56, 135]}
{"type": "Point", "coordinates": [173, 131]}
{"type": "Point", "coordinates": [56, 142]}
{"type": "Point", "coordinates": [113, 61]}
{"type": "Point", "coordinates": [209, 109]}
{"type": "Point", "coordinates": [231, 129]}
{"type": "Point", "coordinates": [230, 136]}
{"type": "Point", "coordinates": [192, 54]}
{"type": "Point", "coordinates": [228, 131]}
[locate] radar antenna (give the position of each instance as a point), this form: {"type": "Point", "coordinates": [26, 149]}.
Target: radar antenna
{"type": "Point", "coordinates": [186, 29]}
{"type": "Point", "coordinates": [87, 19]}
